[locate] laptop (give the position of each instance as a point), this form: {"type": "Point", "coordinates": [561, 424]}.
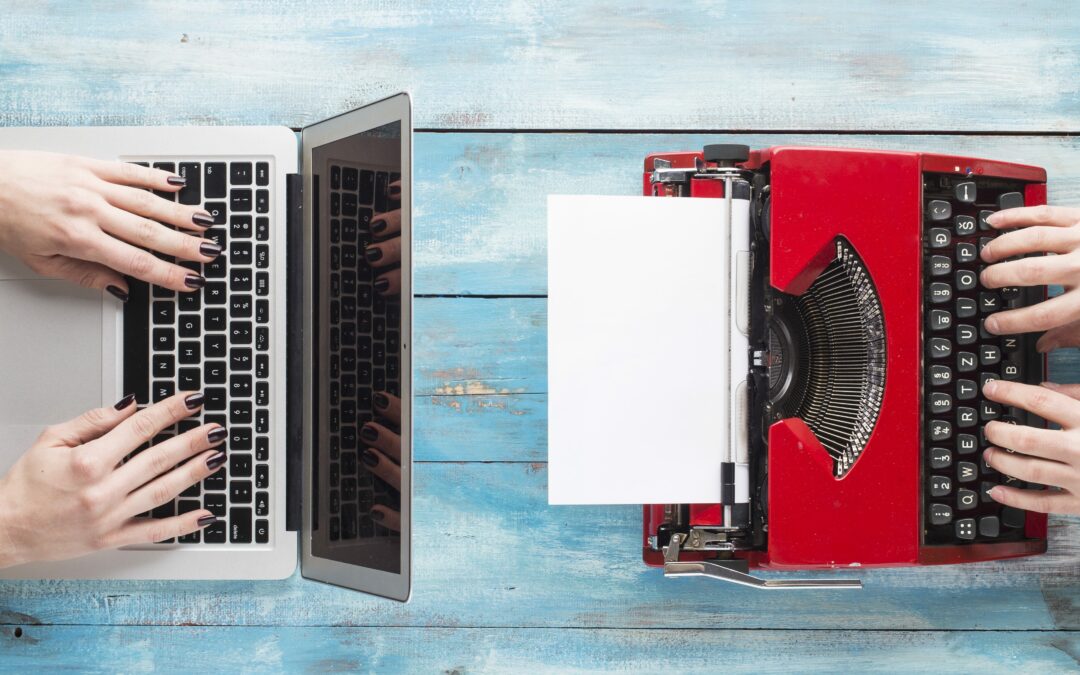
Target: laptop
{"type": "Point", "coordinates": [293, 341]}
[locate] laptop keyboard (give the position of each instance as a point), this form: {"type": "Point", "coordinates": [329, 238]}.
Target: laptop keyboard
{"type": "Point", "coordinates": [364, 348]}
{"type": "Point", "coordinates": [216, 340]}
{"type": "Point", "coordinates": [961, 356]}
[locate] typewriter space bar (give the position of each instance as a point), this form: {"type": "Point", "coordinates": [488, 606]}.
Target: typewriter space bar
{"type": "Point", "coordinates": [722, 573]}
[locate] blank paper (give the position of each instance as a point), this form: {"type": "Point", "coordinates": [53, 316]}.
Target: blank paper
{"type": "Point", "coordinates": [637, 307]}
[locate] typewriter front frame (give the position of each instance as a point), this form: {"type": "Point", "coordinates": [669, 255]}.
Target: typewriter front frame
{"type": "Point", "coordinates": [873, 516]}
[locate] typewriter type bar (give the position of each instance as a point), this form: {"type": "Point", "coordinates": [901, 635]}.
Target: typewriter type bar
{"type": "Point", "coordinates": [857, 357]}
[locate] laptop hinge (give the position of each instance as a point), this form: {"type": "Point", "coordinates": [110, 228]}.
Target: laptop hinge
{"type": "Point", "coordinates": [294, 348]}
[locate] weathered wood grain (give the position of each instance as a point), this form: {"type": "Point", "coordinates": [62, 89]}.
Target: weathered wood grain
{"type": "Point", "coordinates": [481, 199]}
{"type": "Point", "coordinates": [707, 64]}
{"type": "Point", "coordinates": [460, 650]}
{"type": "Point", "coordinates": [490, 552]}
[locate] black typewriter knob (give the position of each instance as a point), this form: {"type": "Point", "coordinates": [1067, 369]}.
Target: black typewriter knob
{"type": "Point", "coordinates": [726, 154]}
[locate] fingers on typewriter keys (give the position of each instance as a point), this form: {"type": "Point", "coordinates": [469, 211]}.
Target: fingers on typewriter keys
{"type": "Point", "coordinates": [1043, 401]}
{"type": "Point", "coordinates": [1056, 216]}
{"type": "Point", "coordinates": [1026, 468]}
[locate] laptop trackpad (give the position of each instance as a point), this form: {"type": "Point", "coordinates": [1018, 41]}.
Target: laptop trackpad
{"type": "Point", "coordinates": [51, 339]}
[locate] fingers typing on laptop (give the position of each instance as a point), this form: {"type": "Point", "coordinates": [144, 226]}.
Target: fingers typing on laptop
{"type": "Point", "coordinates": [383, 454]}
{"type": "Point", "coordinates": [1031, 457]}
{"type": "Point", "coordinates": [93, 222]}
{"type": "Point", "coordinates": [385, 252]}
{"type": "Point", "coordinates": [84, 483]}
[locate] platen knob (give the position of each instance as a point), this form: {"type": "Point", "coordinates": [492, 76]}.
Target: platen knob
{"type": "Point", "coordinates": [726, 153]}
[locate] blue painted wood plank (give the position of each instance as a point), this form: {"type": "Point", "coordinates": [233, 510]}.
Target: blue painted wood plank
{"type": "Point", "coordinates": [490, 552]}
{"type": "Point", "coordinates": [479, 427]}
{"type": "Point", "coordinates": [531, 650]}
{"type": "Point", "coordinates": [487, 64]}
{"type": "Point", "coordinates": [481, 210]}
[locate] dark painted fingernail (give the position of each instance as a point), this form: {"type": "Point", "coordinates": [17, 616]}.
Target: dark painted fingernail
{"type": "Point", "coordinates": [125, 402]}
{"type": "Point", "coordinates": [194, 281]}
{"type": "Point", "coordinates": [373, 254]}
{"type": "Point", "coordinates": [370, 458]}
{"type": "Point", "coordinates": [378, 226]}
{"type": "Point", "coordinates": [217, 435]}
{"type": "Point", "coordinates": [194, 401]}
{"type": "Point", "coordinates": [376, 515]}
{"type": "Point", "coordinates": [381, 400]}
{"type": "Point", "coordinates": [206, 520]}
{"type": "Point", "coordinates": [202, 218]}
{"type": "Point", "coordinates": [117, 293]}
{"type": "Point", "coordinates": [209, 249]}
{"type": "Point", "coordinates": [215, 460]}
{"type": "Point", "coordinates": [382, 284]}
{"type": "Point", "coordinates": [176, 180]}
{"type": "Point", "coordinates": [369, 433]}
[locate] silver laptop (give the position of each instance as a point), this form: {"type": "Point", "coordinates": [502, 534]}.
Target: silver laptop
{"type": "Point", "coordinates": [291, 338]}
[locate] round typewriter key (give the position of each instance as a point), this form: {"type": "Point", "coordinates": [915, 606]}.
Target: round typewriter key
{"type": "Point", "coordinates": [965, 192]}
{"type": "Point", "coordinates": [939, 209]}
{"type": "Point", "coordinates": [940, 458]}
{"type": "Point", "coordinates": [940, 430]}
{"type": "Point", "coordinates": [966, 308]}
{"type": "Point", "coordinates": [940, 514]}
{"type": "Point", "coordinates": [965, 390]}
{"type": "Point", "coordinates": [966, 499]}
{"type": "Point", "coordinates": [989, 355]}
{"type": "Point", "coordinates": [966, 253]}
{"type": "Point", "coordinates": [940, 402]}
{"type": "Point", "coordinates": [987, 377]}
{"type": "Point", "coordinates": [939, 237]}
{"type": "Point", "coordinates": [940, 319]}
{"type": "Point", "coordinates": [1010, 292]}
{"type": "Point", "coordinates": [965, 334]}
{"type": "Point", "coordinates": [989, 526]}
{"type": "Point", "coordinates": [940, 375]}
{"type": "Point", "coordinates": [964, 225]}
{"type": "Point", "coordinates": [940, 266]}
{"type": "Point", "coordinates": [966, 362]}
{"type": "Point", "coordinates": [965, 529]}
{"type": "Point", "coordinates": [966, 417]}
{"type": "Point", "coordinates": [984, 491]}
{"type": "Point", "coordinates": [1010, 371]}
{"type": "Point", "coordinates": [1012, 517]}
{"type": "Point", "coordinates": [966, 280]}
{"type": "Point", "coordinates": [940, 348]}
{"type": "Point", "coordinates": [940, 293]}
{"type": "Point", "coordinates": [966, 444]}
{"type": "Point", "coordinates": [989, 411]}
{"type": "Point", "coordinates": [989, 302]}
{"type": "Point", "coordinates": [940, 486]}
{"type": "Point", "coordinates": [966, 472]}
{"type": "Point", "coordinates": [983, 215]}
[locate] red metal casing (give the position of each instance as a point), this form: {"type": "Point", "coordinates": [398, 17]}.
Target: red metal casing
{"type": "Point", "coordinates": [872, 516]}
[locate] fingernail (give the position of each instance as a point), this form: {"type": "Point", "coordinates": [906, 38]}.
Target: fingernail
{"type": "Point", "coordinates": [994, 492]}
{"type": "Point", "coordinates": [992, 324]}
{"type": "Point", "coordinates": [987, 454]}
{"type": "Point", "coordinates": [209, 249]}
{"type": "Point", "coordinates": [217, 435]}
{"type": "Point", "coordinates": [373, 254]}
{"type": "Point", "coordinates": [125, 402]}
{"type": "Point", "coordinates": [176, 180]}
{"type": "Point", "coordinates": [376, 515]}
{"type": "Point", "coordinates": [990, 387]}
{"type": "Point", "coordinates": [194, 401]}
{"type": "Point", "coordinates": [370, 458]}
{"type": "Point", "coordinates": [202, 218]}
{"type": "Point", "coordinates": [206, 520]}
{"type": "Point", "coordinates": [194, 281]}
{"type": "Point", "coordinates": [381, 400]}
{"type": "Point", "coordinates": [382, 284]}
{"type": "Point", "coordinates": [117, 293]}
{"type": "Point", "coordinates": [993, 219]}
{"type": "Point", "coordinates": [378, 226]}
{"type": "Point", "coordinates": [215, 460]}
{"type": "Point", "coordinates": [369, 433]}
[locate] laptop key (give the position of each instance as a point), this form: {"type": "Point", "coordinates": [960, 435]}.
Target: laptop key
{"type": "Point", "coordinates": [191, 193]}
{"type": "Point", "coordinates": [262, 173]}
{"type": "Point", "coordinates": [240, 173]}
{"type": "Point", "coordinates": [214, 533]}
{"type": "Point", "coordinates": [262, 531]}
{"type": "Point", "coordinates": [240, 492]}
{"type": "Point", "coordinates": [215, 180]}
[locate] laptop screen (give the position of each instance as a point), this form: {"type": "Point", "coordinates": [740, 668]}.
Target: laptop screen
{"type": "Point", "coordinates": [356, 477]}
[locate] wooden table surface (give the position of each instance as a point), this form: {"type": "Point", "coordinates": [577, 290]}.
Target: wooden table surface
{"type": "Point", "coordinates": [513, 101]}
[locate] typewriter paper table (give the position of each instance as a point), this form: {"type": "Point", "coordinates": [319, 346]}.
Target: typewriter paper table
{"type": "Point", "coordinates": [514, 100]}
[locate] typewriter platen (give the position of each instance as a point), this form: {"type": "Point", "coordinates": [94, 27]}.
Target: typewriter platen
{"type": "Point", "coordinates": [856, 434]}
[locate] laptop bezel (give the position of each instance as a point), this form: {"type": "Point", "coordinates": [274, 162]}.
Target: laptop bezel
{"type": "Point", "coordinates": [368, 580]}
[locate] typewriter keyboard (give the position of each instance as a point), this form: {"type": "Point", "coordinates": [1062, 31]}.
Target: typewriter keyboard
{"type": "Point", "coordinates": [960, 357]}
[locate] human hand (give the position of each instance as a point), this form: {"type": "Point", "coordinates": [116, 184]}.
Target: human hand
{"type": "Point", "coordinates": [1043, 229]}
{"type": "Point", "coordinates": [383, 456]}
{"type": "Point", "coordinates": [70, 494]}
{"type": "Point", "coordinates": [1043, 456]}
{"type": "Point", "coordinates": [386, 251]}
{"type": "Point", "coordinates": [89, 221]}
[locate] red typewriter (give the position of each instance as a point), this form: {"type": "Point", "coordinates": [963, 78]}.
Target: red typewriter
{"type": "Point", "coordinates": [858, 440]}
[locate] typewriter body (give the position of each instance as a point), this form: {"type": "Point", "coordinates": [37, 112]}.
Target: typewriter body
{"type": "Point", "coordinates": [856, 418]}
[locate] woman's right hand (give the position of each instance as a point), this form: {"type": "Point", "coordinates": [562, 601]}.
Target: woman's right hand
{"type": "Point", "coordinates": [90, 221]}
{"type": "Point", "coordinates": [72, 494]}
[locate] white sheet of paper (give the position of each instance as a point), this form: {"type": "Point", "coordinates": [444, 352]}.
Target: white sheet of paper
{"type": "Point", "coordinates": [637, 304]}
